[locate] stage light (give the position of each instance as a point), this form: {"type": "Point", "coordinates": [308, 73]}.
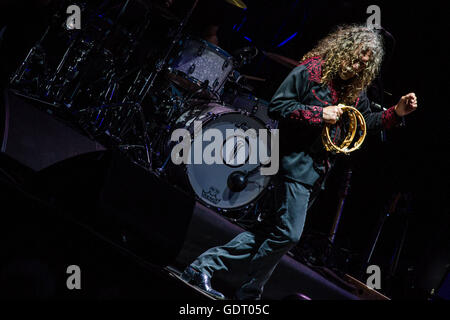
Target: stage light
{"type": "Point", "coordinates": [287, 40]}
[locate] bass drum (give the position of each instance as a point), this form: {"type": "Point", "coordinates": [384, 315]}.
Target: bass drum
{"type": "Point", "coordinates": [210, 182]}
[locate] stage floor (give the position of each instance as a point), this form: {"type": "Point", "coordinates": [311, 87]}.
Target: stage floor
{"type": "Point", "coordinates": [208, 229]}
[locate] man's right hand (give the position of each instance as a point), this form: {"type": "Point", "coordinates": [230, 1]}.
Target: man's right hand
{"type": "Point", "coordinates": [331, 114]}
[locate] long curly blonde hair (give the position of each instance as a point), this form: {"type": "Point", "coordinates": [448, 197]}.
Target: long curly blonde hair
{"type": "Point", "coordinates": [345, 45]}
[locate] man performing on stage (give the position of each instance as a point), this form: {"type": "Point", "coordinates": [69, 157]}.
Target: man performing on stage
{"type": "Point", "coordinates": [336, 71]}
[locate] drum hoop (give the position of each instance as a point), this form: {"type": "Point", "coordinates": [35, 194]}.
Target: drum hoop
{"type": "Point", "coordinates": [195, 80]}
{"type": "Point", "coordinates": [186, 77]}
{"type": "Point", "coordinates": [219, 209]}
{"type": "Point", "coordinates": [211, 47]}
{"type": "Point", "coordinates": [233, 111]}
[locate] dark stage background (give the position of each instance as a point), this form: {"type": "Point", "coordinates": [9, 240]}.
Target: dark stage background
{"type": "Point", "coordinates": [413, 159]}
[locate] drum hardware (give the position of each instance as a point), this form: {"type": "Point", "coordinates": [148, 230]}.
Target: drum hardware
{"type": "Point", "coordinates": [342, 196]}
{"type": "Point", "coordinates": [284, 61]}
{"type": "Point", "coordinates": [36, 52]}
{"type": "Point", "coordinates": [254, 78]}
{"type": "Point", "coordinates": [242, 125]}
{"type": "Point", "coordinates": [199, 92]}
{"type": "Point", "coordinates": [130, 146]}
{"type": "Point", "coordinates": [238, 180]}
{"type": "Point", "coordinates": [238, 83]}
{"type": "Point", "coordinates": [247, 102]}
{"type": "Point", "coordinates": [72, 64]}
{"type": "Point", "coordinates": [200, 51]}
{"type": "Point", "coordinates": [107, 100]}
{"type": "Point", "coordinates": [61, 82]}
{"type": "Point", "coordinates": [216, 193]}
{"type": "Point", "coordinates": [192, 68]}
{"type": "Point", "coordinates": [118, 124]}
{"type": "Point", "coordinates": [245, 55]}
{"type": "Point", "coordinates": [123, 120]}
{"type": "Point", "coordinates": [197, 62]}
{"type": "Point", "coordinates": [253, 213]}
{"type": "Point", "coordinates": [150, 80]}
{"type": "Point", "coordinates": [31, 73]}
{"type": "Point", "coordinates": [390, 210]}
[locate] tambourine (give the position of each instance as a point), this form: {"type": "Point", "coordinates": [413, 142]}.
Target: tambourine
{"type": "Point", "coordinates": [355, 119]}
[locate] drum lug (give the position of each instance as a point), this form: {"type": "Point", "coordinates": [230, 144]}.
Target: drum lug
{"type": "Point", "coordinates": [242, 125]}
{"type": "Point", "coordinates": [225, 64]}
{"type": "Point", "coordinates": [159, 65]}
{"type": "Point", "coordinates": [201, 49]}
{"type": "Point", "coordinates": [191, 69]}
{"type": "Point", "coordinates": [244, 112]}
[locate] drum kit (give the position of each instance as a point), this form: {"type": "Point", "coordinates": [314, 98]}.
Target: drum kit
{"type": "Point", "coordinates": [127, 84]}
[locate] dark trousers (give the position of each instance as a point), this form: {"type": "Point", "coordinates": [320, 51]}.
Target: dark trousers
{"type": "Point", "coordinates": [262, 248]}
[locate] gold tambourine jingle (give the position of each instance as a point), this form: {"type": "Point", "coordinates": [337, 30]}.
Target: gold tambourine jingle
{"type": "Point", "coordinates": [355, 118]}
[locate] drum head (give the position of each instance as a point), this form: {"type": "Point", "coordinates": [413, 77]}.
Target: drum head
{"type": "Point", "coordinates": [237, 153]}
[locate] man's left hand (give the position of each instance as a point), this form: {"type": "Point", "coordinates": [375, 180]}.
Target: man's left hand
{"type": "Point", "coordinates": [406, 105]}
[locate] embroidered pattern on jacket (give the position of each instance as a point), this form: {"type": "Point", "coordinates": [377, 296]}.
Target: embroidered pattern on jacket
{"type": "Point", "coordinates": [312, 116]}
{"type": "Point", "coordinates": [334, 95]}
{"type": "Point", "coordinates": [389, 119]}
{"type": "Point", "coordinates": [314, 66]}
{"type": "Point", "coordinates": [317, 97]}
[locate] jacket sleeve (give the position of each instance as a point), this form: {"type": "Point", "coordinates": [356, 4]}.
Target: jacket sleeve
{"type": "Point", "coordinates": [376, 121]}
{"type": "Point", "coordinates": [286, 103]}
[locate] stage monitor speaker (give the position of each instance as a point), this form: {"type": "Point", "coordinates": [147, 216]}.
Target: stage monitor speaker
{"type": "Point", "coordinates": [153, 216]}
{"type": "Point", "coordinates": [100, 188]}
{"type": "Point", "coordinates": [121, 200]}
{"type": "Point", "coordinates": [443, 290]}
{"type": "Point", "coordinates": [37, 246]}
{"type": "Point", "coordinates": [35, 138]}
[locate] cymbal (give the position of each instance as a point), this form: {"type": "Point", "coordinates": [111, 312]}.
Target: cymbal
{"type": "Point", "coordinates": [285, 61]}
{"type": "Point", "coordinates": [237, 3]}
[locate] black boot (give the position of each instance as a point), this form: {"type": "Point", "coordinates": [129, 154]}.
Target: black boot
{"type": "Point", "coordinates": [201, 281]}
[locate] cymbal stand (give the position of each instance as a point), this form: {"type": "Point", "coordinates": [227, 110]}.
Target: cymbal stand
{"type": "Point", "coordinates": [343, 192]}
{"type": "Point", "coordinates": [381, 222]}
{"type": "Point", "coordinates": [342, 196]}
{"type": "Point", "coordinates": [149, 81]}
